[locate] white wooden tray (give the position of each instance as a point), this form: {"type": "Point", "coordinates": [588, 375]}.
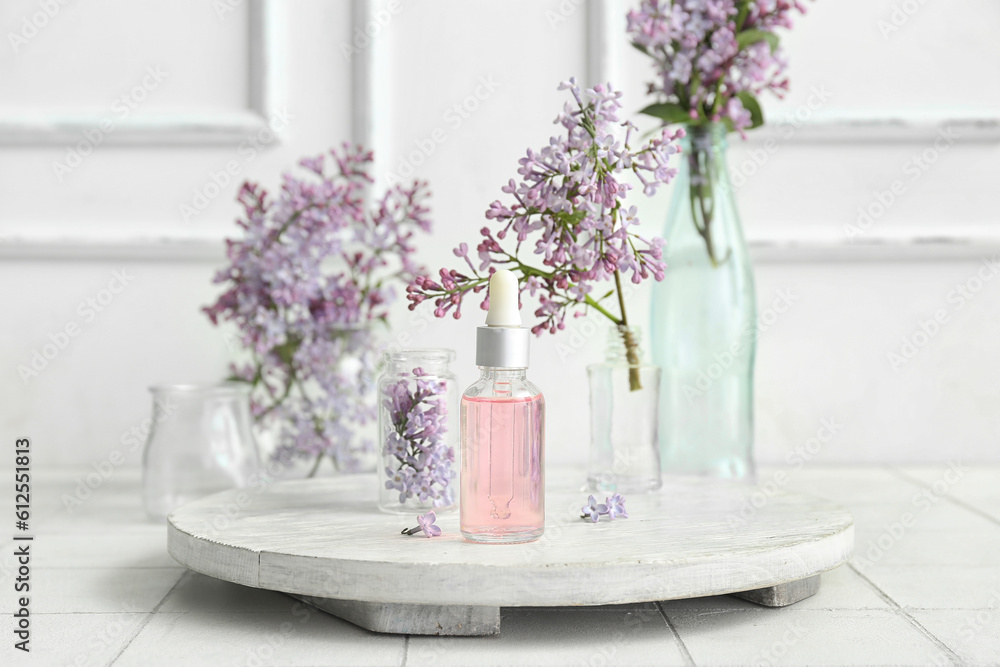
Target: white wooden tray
{"type": "Point", "coordinates": [324, 541]}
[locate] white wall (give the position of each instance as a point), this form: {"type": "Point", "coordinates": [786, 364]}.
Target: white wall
{"type": "Point", "coordinates": [825, 359]}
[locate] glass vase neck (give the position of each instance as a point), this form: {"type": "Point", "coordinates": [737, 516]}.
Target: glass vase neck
{"type": "Point", "coordinates": [704, 137]}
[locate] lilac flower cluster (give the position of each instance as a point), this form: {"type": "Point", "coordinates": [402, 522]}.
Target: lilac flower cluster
{"type": "Point", "coordinates": [569, 209]}
{"type": "Point", "coordinates": [612, 508]}
{"type": "Point", "coordinates": [310, 277]}
{"type": "Point", "coordinates": [713, 57]}
{"type": "Point", "coordinates": [421, 461]}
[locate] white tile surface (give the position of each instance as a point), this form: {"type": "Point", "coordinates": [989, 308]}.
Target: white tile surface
{"type": "Point", "coordinates": [972, 634]}
{"type": "Point", "coordinates": [565, 636]}
{"type": "Point", "coordinates": [800, 637]}
{"type": "Point", "coordinates": [922, 547]}
{"type": "Point", "coordinates": [944, 515]}
{"type": "Point", "coordinates": [84, 640]}
{"type": "Point", "coordinates": [937, 587]}
{"type": "Point", "coordinates": [300, 637]}
{"type": "Point", "coordinates": [114, 550]}
{"type": "Point", "coordinates": [78, 590]}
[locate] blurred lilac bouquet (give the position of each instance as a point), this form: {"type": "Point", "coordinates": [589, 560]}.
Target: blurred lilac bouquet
{"type": "Point", "coordinates": [569, 210]}
{"type": "Point", "coordinates": [418, 420]}
{"type": "Point", "coordinates": [712, 57]}
{"type": "Point", "coordinates": [311, 275]}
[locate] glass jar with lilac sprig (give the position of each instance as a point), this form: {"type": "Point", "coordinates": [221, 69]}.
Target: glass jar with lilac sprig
{"type": "Point", "coordinates": [418, 403]}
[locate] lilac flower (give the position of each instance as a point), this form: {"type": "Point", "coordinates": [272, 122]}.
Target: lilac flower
{"type": "Point", "coordinates": [566, 227]}
{"type": "Point", "coordinates": [425, 524]}
{"type": "Point", "coordinates": [309, 277]}
{"type": "Point", "coordinates": [417, 412]}
{"type": "Point", "coordinates": [593, 510]}
{"type": "Point", "coordinates": [612, 507]}
{"type": "Point", "coordinates": [616, 506]}
{"type": "Point", "coordinates": [713, 57]}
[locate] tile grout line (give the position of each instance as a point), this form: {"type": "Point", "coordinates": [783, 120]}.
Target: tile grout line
{"type": "Point", "coordinates": [949, 497]}
{"type": "Point", "coordinates": [406, 650]}
{"type": "Point", "coordinates": [900, 611]}
{"type": "Point", "coordinates": [688, 660]}
{"type": "Point", "coordinates": [149, 617]}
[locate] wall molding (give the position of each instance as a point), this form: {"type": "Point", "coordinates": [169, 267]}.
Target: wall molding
{"type": "Point", "coordinates": [940, 243]}
{"type": "Point", "coordinates": [223, 127]}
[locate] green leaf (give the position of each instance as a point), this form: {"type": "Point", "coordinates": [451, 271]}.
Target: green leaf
{"type": "Point", "coordinates": [640, 47]}
{"type": "Point", "coordinates": [741, 16]}
{"type": "Point", "coordinates": [668, 112]}
{"type": "Point", "coordinates": [569, 219]}
{"type": "Point", "coordinates": [286, 351]}
{"type": "Point", "coordinates": [748, 37]}
{"type": "Point", "coordinates": [751, 104]}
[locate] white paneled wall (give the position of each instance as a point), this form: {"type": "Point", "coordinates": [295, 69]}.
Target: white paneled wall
{"type": "Point", "coordinates": [455, 91]}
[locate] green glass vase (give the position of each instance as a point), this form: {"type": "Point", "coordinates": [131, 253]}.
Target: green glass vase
{"type": "Point", "coordinates": [703, 324]}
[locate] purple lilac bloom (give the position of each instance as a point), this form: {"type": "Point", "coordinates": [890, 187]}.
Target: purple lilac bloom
{"type": "Point", "coordinates": [592, 510]}
{"type": "Point", "coordinates": [565, 225]}
{"type": "Point", "coordinates": [713, 57]}
{"type": "Point", "coordinates": [422, 462]}
{"type": "Point", "coordinates": [616, 506]}
{"type": "Point", "coordinates": [426, 523]}
{"type": "Point", "coordinates": [311, 274]}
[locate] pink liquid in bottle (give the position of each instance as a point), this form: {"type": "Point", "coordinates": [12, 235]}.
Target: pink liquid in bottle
{"type": "Point", "coordinates": [503, 477]}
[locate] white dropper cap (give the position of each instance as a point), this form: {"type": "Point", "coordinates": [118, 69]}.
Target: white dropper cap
{"type": "Point", "coordinates": [504, 310]}
{"type": "Point", "coordinates": [503, 342]}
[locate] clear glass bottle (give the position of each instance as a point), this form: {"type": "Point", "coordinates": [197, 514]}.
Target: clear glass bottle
{"type": "Point", "coordinates": [503, 430]}
{"type": "Point", "coordinates": [703, 324]}
{"type": "Point", "coordinates": [624, 418]}
{"type": "Point", "coordinates": [200, 442]}
{"type": "Point", "coordinates": [418, 432]}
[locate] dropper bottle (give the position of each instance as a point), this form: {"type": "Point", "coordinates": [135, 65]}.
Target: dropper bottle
{"type": "Point", "coordinates": [503, 430]}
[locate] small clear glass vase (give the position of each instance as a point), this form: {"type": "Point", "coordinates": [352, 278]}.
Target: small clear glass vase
{"type": "Point", "coordinates": [418, 432]}
{"type": "Point", "coordinates": [624, 418]}
{"type": "Point", "coordinates": [703, 325]}
{"type": "Point", "coordinates": [200, 442]}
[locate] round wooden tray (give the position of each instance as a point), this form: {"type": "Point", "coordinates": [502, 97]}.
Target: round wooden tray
{"type": "Point", "coordinates": [325, 541]}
